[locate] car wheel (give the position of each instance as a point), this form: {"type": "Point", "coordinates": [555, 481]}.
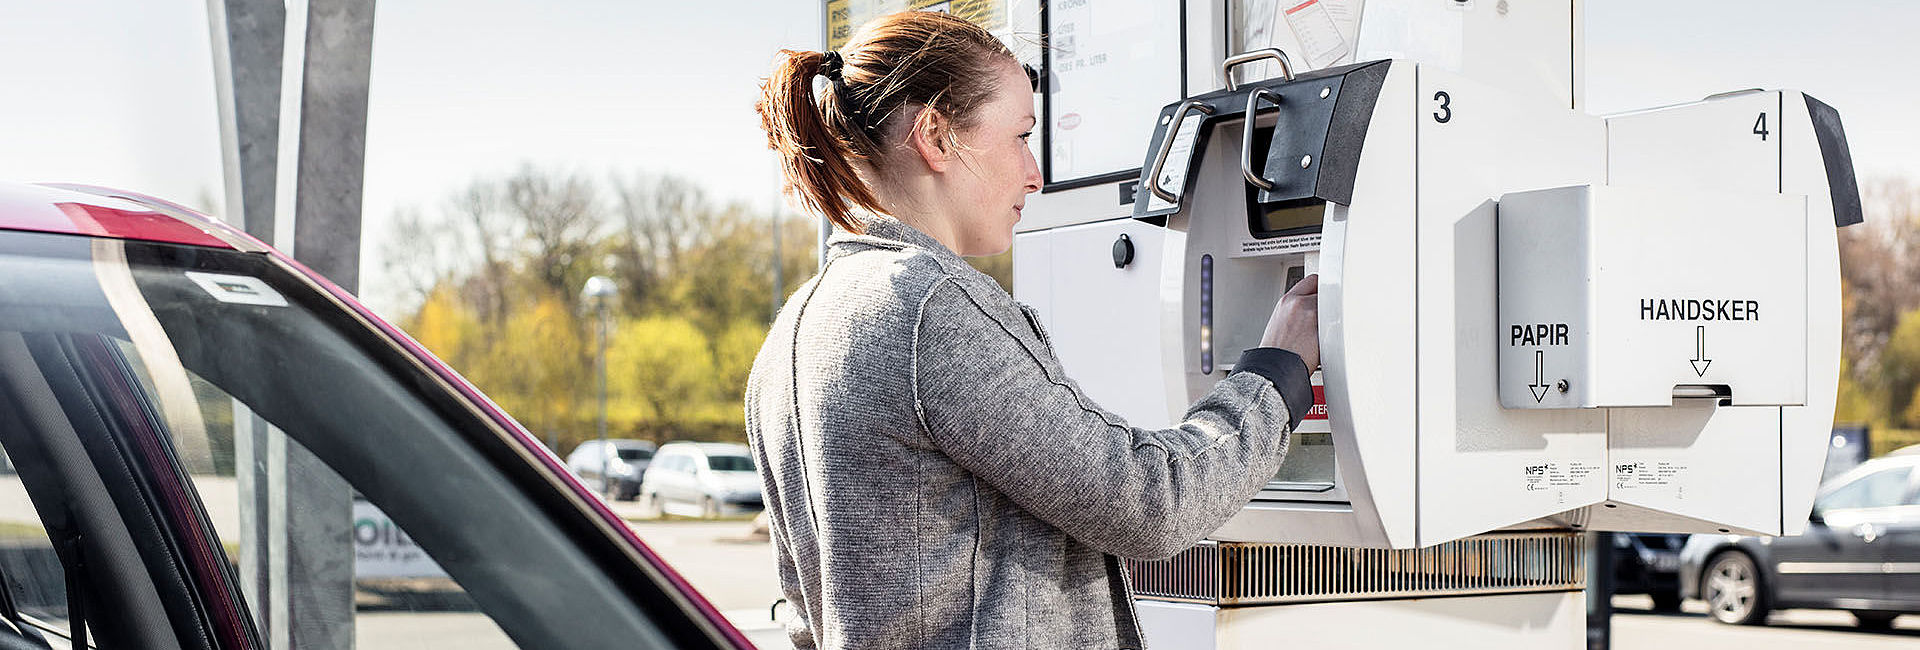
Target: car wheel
{"type": "Point", "coordinates": [1666, 601]}
{"type": "Point", "coordinates": [709, 509]}
{"type": "Point", "coordinates": [1878, 621]}
{"type": "Point", "coordinates": [1733, 591]}
{"type": "Point", "coordinates": [650, 506]}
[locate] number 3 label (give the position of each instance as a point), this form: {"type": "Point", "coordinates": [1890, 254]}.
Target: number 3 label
{"type": "Point", "coordinates": [1445, 112]}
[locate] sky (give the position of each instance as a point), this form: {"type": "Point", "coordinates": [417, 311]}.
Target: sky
{"type": "Point", "coordinates": [121, 92]}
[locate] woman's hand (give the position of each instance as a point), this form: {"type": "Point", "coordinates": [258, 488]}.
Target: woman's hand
{"type": "Point", "coordinates": [1295, 324]}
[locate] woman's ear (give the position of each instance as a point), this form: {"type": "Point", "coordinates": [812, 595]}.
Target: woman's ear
{"type": "Point", "coordinates": [931, 139]}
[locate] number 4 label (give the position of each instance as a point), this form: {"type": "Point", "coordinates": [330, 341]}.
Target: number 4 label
{"type": "Point", "coordinates": [1760, 127]}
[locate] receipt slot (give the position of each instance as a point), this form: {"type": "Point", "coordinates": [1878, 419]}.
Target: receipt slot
{"type": "Point", "coordinates": [1530, 317]}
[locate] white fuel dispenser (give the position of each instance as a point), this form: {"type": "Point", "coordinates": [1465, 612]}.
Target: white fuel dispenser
{"type": "Point", "coordinates": [1513, 333]}
{"type": "Point", "coordinates": [1534, 321]}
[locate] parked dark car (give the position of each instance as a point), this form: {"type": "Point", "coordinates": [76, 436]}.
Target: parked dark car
{"type": "Point", "coordinates": [625, 460]}
{"type": "Point", "coordinates": [1860, 552]}
{"type": "Point", "coordinates": [1649, 563]}
{"type": "Point", "coordinates": [153, 361]}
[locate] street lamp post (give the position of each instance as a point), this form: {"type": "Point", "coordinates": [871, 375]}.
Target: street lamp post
{"type": "Point", "coordinates": [598, 292]}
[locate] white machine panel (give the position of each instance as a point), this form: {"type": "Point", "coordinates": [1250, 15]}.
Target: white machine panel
{"type": "Point", "coordinates": [1484, 467]}
{"type": "Point", "coordinates": [1086, 292]}
{"type": "Point", "coordinates": [1612, 296]}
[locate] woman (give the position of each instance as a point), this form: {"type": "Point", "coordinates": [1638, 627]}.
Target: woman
{"type": "Point", "coordinates": [933, 479]}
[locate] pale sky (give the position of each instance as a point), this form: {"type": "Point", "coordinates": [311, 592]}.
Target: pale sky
{"type": "Point", "coordinates": [120, 92]}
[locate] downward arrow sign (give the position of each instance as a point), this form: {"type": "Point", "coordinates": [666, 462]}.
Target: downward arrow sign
{"type": "Point", "coordinates": [1700, 360]}
{"type": "Point", "coordinates": [1538, 387]}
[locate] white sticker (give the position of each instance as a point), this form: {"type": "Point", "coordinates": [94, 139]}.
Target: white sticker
{"type": "Point", "coordinates": [1560, 476]}
{"type": "Point", "coordinates": [238, 289]}
{"type": "Point", "coordinates": [1173, 173]}
{"type": "Point", "coordinates": [1308, 243]}
{"type": "Point", "coordinates": [1643, 475]}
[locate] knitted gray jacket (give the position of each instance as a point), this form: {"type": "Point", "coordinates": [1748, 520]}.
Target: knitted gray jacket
{"type": "Point", "coordinates": [934, 479]}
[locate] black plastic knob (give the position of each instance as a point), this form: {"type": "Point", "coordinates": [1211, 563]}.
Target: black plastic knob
{"type": "Point", "coordinates": [1122, 252]}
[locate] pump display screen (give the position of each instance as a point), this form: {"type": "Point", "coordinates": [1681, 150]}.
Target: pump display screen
{"type": "Point", "coordinates": [1280, 219]}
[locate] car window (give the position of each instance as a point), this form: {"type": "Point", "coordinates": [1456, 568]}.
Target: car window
{"type": "Point", "coordinates": [730, 463]}
{"type": "Point", "coordinates": [240, 365]}
{"type": "Point", "coordinates": [33, 573]}
{"type": "Point", "coordinates": [635, 454]}
{"type": "Point", "coordinates": [1885, 488]}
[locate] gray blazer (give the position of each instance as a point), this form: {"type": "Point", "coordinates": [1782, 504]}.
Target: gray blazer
{"type": "Point", "coordinates": [934, 479]}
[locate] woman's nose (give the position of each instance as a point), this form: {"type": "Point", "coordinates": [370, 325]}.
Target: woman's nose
{"type": "Point", "coordinates": [1033, 173]}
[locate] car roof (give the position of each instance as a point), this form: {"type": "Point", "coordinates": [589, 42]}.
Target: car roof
{"type": "Point", "coordinates": [103, 212]}
{"type": "Point", "coordinates": [1871, 465]}
{"type": "Point", "coordinates": [729, 448]}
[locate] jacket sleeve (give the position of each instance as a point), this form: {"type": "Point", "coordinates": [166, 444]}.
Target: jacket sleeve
{"type": "Point", "coordinates": [996, 402]}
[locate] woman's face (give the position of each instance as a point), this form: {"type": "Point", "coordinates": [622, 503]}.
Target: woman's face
{"type": "Point", "coordinates": [997, 170]}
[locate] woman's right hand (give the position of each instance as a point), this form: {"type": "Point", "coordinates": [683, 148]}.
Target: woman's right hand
{"type": "Point", "coordinates": [1295, 324]}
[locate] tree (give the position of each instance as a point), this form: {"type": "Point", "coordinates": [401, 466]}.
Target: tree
{"type": "Point", "coordinates": [496, 271]}
{"type": "Point", "coordinates": [734, 351]}
{"type": "Point", "coordinates": [538, 367]}
{"type": "Point", "coordinates": [1880, 269]}
{"type": "Point", "coordinates": [559, 218]}
{"type": "Point", "coordinates": [660, 363]}
{"type": "Point", "coordinates": [1899, 370]}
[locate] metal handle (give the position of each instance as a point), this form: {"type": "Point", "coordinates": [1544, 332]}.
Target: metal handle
{"type": "Point", "coordinates": [1246, 138]}
{"type": "Point", "coordinates": [1227, 66]}
{"type": "Point", "coordinates": [1166, 147]}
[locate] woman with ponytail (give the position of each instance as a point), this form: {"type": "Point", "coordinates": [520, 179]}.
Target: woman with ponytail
{"type": "Point", "coordinates": [933, 478]}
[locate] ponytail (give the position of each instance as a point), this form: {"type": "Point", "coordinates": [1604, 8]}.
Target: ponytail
{"type": "Point", "coordinates": [816, 160]}
{"type": "Point", "coordinates": [892, 67]}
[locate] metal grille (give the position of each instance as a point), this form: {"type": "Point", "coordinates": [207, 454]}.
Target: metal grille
{"type": "Point", "coordinates": [1228, 573]}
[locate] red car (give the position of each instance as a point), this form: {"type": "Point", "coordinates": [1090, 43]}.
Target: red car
{"type": "Point", "coordinates": [151, 359]}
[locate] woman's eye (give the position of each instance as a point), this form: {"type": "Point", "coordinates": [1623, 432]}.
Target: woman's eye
{"type": "Point", "coordinates": [1024, 136]}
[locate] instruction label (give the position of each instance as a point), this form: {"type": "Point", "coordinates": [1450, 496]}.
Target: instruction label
{"type": "Point", "coordinates": [1288, 245]}
{"type": "Point", "coordinates": [1319, 36]}
{"type": "Point", "coordinates": [1691, 309]}
{"type": "Point", "coordinates": [1537, 334]}
{"type": "Point", "coordinates": [1173, 174]}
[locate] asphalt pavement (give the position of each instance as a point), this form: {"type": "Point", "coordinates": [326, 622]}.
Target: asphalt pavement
{"type": "Point", "coordinates": [734, 570]}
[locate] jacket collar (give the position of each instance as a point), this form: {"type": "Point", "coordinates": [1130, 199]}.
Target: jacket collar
{"type": "Point", "coordinates": [887, 232]}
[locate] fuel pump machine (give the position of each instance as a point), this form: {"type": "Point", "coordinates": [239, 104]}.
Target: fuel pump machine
{"type": "Point", "coordinates": [1534, 322]}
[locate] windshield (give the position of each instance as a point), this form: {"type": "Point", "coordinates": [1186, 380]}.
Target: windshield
{"type": "Point", "coordinates": [729, 463]}
{"type": "Point", "coordinates": [195, 344]}
{"type": "Point", "coordinates": [635, 454]}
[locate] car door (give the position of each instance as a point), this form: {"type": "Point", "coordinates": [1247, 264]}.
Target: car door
{"type": "Point", "coordinates": [1838, 559]}
{"type": "Point", "coordinates": [1899, 540]}
{"type": "Point", "coordinates": [150, 414]}
{"type": "Point", "coordinates": [673, 481]}
{"type": "Point", "coordinates": [688, 487]}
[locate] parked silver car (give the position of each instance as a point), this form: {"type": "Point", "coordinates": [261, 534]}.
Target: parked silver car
{"type": "Point", "coordinates": [625, 460]}
{"type": "Point", "coordinates": [701, 479]}
{"type": "Point", "coordinates": [1861, 553]}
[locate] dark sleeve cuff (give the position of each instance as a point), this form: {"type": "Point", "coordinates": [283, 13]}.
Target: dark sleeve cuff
{"type": "Point", "coordinates": [1289, 375]}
